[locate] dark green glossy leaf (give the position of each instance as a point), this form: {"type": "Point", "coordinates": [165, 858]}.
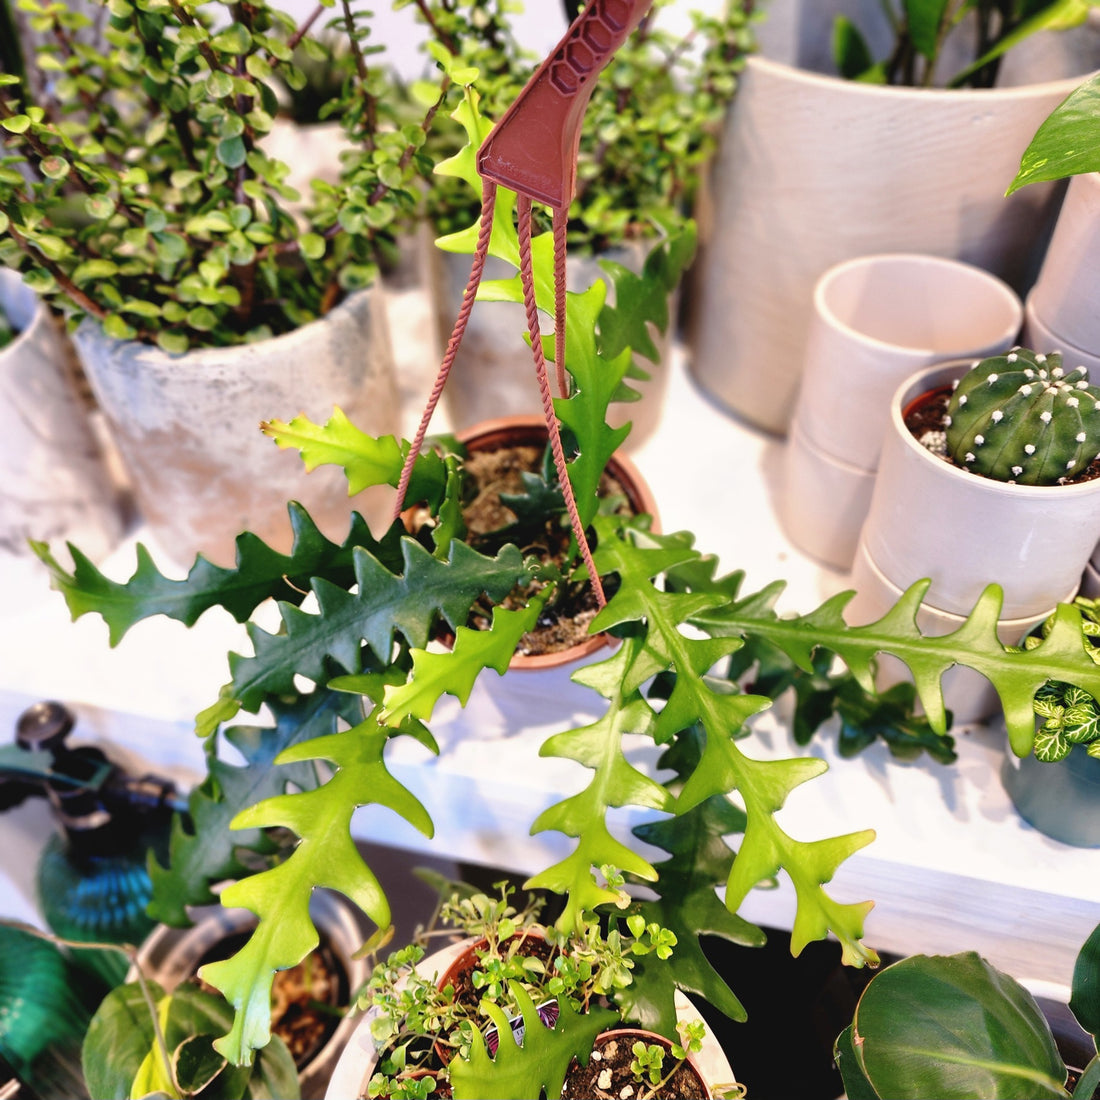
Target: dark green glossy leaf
{"type": "Point", "coordinates": [1085, 1001]}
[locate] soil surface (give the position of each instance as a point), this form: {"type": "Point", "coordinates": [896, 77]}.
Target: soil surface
{"type": "Point", "coordinates": [564, 622]}
{"type": "Point", "coordinates": [608, 1075]}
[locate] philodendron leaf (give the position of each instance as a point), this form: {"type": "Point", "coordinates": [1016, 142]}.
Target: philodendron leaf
{"type": "Point", "coordinates": [954, 1027]}
{"type": "Point", "coordinates": [1085, 1000]}
{"type": "Point", "coordinates": [260, 574]}
{"type": "Point", "coordinates": [205, 851]}
{"type": "Point", "coordinates": [1068, 142]}
{"type": "Point", "coordinates": [365, 460]}
{"type": "Point", "coordinates": [384, 604]}
{"type": "Point", "coordinates": [325, 856]}
{"type": "Point", "coordinates": [538, 1066]}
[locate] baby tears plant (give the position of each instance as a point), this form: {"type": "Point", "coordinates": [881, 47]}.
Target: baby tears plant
{"type": "Point", "coordinates": [362, 644]}
{"type": "Point", "coordinates": [1022, 418]}
{"type": "Point", "coordinates": [136, 190]}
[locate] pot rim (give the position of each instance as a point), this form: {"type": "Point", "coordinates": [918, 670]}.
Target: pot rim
{"type": "Point", "coordinates": [940, 374]}
{"type": "Point", "coordinates": [837, 85]}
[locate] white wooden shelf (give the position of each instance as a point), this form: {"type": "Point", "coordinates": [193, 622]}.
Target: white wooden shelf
{"type": "Point", "coordinates": [953, 867]}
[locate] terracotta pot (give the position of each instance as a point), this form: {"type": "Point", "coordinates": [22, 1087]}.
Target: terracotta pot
{"type": "Point", "coordinates": [55, 483]}
{"type": "Point", "coordinates": [582, 1082]}
{"type": "Point", "coordinates": [187, 427]}
{"type": "Point", "coordinates": [531, 431]}
{"type": "Point", "coordinates": [813, 170]}
{"type": "Point", "coordinates": [929, 518]}
{"type": "Point", "coordinates": [172, 955]}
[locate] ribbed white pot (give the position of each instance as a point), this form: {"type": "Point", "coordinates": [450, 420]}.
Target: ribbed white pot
{"type": "Point", "coordinates": [813, 170]}
{"type": "Point", "coordinates": [54, 481]}
{"type": "Point", "coordinates": [187, 426]}
{"type": "Point", "coordinates": [929, 518]}
{"type": "Point", "coordinates": [494, 374]}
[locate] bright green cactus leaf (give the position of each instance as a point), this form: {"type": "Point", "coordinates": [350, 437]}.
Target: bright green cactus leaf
{"type": "Point", "coordinates": [538, 1066]}
{"type": "Point", "coordinates": [454, 672]}
{"type": "Point", "coordinates": [365, 460]}
{"type": "Point", "coordinates": [326, 856]}
{"type": "Point", "coordinates": [260, 574]}
{"type": "Point", "coordinates": [384, 605]}
{"type": "Point", "coordinates": [203, 851]}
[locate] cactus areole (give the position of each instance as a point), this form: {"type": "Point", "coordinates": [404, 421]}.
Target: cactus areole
{"type": "Point", "coordinates": [1022, 418]}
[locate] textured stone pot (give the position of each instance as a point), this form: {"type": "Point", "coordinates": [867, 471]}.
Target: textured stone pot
{"type": "Point", "coordinates": [929, 518]}
{"type": "Point", "coordinates": [54, 481]}
{"type": "Point", "coordinates": [494, 374]}
{"type": "Point", "coordinates": [187, 427]}
{"type": "Point", "coordinates": [813, 170]}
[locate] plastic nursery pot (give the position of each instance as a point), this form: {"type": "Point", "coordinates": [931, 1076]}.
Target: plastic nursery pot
{"type": "Point", "coordinates": [929, 518]}
{"type": "Point", "coordinates": [608, 1071]}
{"type": "Point", "coordinates": [171, 956]}
{"type": "Point", "coordinates": [530, 431]}
{"type": "Point", "coordinates": [1062, 800]}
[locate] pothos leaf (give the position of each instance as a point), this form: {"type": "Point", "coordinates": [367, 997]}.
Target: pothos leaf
{"type": "Point", "coordinates": [326, 856]}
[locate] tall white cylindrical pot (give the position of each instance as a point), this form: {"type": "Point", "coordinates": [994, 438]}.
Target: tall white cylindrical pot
{"type": "Point", "coordinates": [187, 427]}
{"type": "Point", "coordinates": [929, 518]}
{"type": "Point", "coordinates": [54, 482]}
{"type": "Point", "coordinates": [494, 374]}
{"type": "Point", "coordinates": [813, 170]}
{"type": "Point", "coordinates": [1064, 299]}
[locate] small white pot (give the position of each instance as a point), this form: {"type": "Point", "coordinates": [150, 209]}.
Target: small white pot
{"type": "Point", "coordinates": [813, 170]}
{"type": "Point", "coordinates": [187, 427]}
{"type": "Point", "coordinates": [360, 1057]}
{"type": "Point", "coordinates": [823, 502]}
{"type": "Point", "coordinates": [929, 518]}
{"type": "Point", "coordinates": [967, 694]}
{"type": "Point", "coordinates": [1066, 292]}
{"type": "Point", "coordinates": [1039, 336]}
{"type": "Point", "coordinates": [494, 374]}
{"type": "Point", "coordinates": [54, 481]}
{"type": "Point", "coordinates": [877, 320]}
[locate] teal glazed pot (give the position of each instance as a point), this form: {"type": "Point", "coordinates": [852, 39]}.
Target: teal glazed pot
{"type": "Point", "coordinates": [1061, 800]}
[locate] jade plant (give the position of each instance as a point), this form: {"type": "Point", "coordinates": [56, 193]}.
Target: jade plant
{"type": "Point", "coordinates": [954, 1026]}
{"type": "Point", "coordinates": [921, 28]}
{"type": "Point", "coordinates": [135, 189]}
{"type": "Point", "coordinates": [1021, 417]}
{"type": "Point", "coordinates": [361, 644]}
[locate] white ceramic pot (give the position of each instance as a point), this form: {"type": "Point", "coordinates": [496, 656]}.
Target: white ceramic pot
{"type": "Point", "coordinates": [967, 694]}
{"type": "Point", "coordinates": [877, 320]}
{"type": "Point", "coordinates": [170, 956]}
{"type": "Point", "coordinates": [357, 1062]}
{"type": "Point", "coordinates": [187, 427]}
{"type": "Point", "coordinates": [54, 481]}
{"type": "Point", "coordinates": [494, 374]}
{"type": "Point", "coordinates": [1066, 292]}
{"type": "Point", "coordinates": [823, 502]}
{"type": "Point", "coordinates": [929, 518]}
{"type": "Point", "coordinates": [1039, 336]}
{"type": "Point", "coordinates": [813, 170]}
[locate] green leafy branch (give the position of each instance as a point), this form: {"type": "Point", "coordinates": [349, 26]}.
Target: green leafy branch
{"type": "Point", "coordinates": [325, 856]}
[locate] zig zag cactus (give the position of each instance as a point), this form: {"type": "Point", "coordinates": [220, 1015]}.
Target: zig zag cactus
{"type": "Point", "coordinates": [1022, 418]}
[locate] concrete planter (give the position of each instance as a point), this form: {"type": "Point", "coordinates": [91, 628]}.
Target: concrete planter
{"type": "Point", "coordinates": [187, 427]}
{"type": "Point", "coordinates": [54, 481]}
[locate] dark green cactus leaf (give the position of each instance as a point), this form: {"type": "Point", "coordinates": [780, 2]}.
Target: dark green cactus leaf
{"type": "Point", "coordinates": [1021, 417]}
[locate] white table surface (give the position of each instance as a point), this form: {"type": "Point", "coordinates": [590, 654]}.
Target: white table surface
{"type": "Point", "coordinates": [953, 867]}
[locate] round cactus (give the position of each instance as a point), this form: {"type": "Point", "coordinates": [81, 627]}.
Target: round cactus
{"type": "Point", "coordinates": [1022, 418]}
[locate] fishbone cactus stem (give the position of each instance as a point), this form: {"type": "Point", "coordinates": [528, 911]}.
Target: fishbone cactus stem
{"type": "Point", "coordinates": [1021, 417]}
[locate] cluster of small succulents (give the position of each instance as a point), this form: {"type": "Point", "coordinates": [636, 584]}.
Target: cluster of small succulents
{"type": "Point", "coordinates": [1021, 417]}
